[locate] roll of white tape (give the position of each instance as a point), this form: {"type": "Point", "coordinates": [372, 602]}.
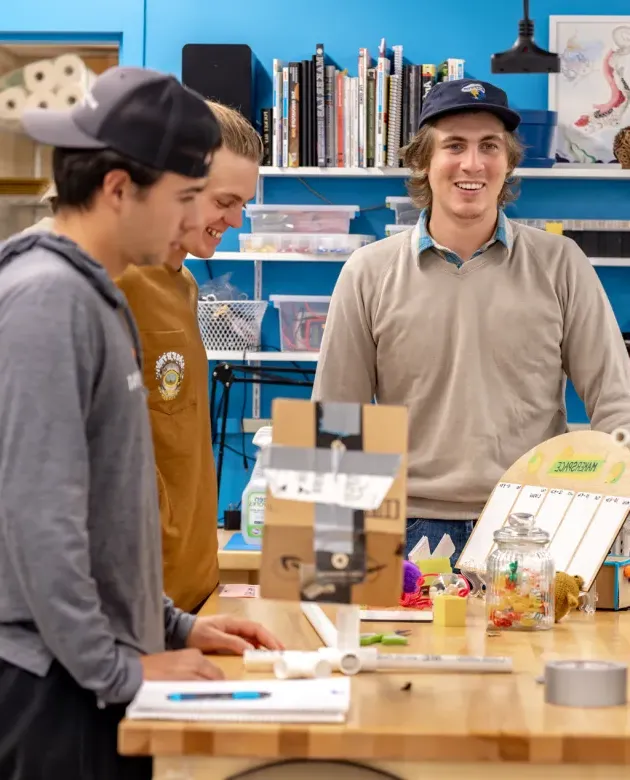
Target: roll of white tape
{"type": "Point", "coordinates": [585, 683]}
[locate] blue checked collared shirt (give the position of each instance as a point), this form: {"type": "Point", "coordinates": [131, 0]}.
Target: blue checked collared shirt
{"type": "Point", "coordinates": [503, 234]}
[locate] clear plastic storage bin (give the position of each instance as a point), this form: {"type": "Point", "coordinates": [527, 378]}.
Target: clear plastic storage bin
{"type": "Point", "coordinates": [406, 212]}
{"type": "Point", "coordinates": [300, 219]}
{"type": "Point", "coordinates": [303, 243]}
{"type": "Point", "coordinates": [302, 321]}
{"type": "Point", "coordinates": [391, 230]}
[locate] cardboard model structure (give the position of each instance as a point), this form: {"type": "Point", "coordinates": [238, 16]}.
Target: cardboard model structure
{"type": "Point", "coordinates": [577, 487]}
{"type": "Point", "coordinates": [335, 515]}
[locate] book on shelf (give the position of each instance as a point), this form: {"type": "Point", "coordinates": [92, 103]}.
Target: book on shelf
{"type": "Point", "coordinates": [324, 116]}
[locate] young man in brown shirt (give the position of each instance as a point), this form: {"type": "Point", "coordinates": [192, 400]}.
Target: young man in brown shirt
{"type": "Point", "coordinates": [164, 303]}
{"type": "Point", "coordinates": [471, 321]}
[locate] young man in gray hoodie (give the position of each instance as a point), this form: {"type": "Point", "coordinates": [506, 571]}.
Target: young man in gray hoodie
{"type": "Point", "coordinates": [83, 619]}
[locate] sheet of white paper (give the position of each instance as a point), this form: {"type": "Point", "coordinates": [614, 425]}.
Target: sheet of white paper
{"type": "Point", "coordinates": [594, 545]}
{"type": "Point", "coordinates": [444, 548]}
{"type": "Point", "coordinates": [551, 513]}
{"type": "Point", "coordinates": [421, 551]}
{"type": "Point", "coordinates": [495, 514]}
{"type": "Point", "coordinates": [573, 527]}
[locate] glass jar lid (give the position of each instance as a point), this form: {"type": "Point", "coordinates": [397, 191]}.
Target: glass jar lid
{"type": "Point", "coordinates": [520, 528]}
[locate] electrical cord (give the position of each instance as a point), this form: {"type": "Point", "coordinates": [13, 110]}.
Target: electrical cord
{"type": "Point", "coordinates": [317, 194]}
{"type": "Point", "coordinates": [251, 772]}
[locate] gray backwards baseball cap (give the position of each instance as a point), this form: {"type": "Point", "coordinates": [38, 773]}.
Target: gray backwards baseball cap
{"type": "Point", "coordinates": [142, 114]}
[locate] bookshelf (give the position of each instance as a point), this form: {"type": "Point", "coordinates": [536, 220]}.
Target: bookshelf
{"type": "Point", "coordinates": [558, 171]}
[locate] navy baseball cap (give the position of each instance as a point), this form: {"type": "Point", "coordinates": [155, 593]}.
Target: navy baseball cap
{"type": "Point", "coordinates": [455, 97]}
{"type": "Point", "coordinates": [145, 115]}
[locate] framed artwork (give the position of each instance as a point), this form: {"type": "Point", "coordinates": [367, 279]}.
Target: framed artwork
{"type": "Point", "coordinates": [591, 94]}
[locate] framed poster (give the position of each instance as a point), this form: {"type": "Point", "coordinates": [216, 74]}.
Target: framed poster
{"type": "Point", "coordinates": [592, 91]}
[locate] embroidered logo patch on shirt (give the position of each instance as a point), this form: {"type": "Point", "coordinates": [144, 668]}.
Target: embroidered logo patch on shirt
{"type": "Point", "coordinates": [169, 372]}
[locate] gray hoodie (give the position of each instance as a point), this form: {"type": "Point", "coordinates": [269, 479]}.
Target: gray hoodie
{"type": "Point", "coordinates": [80, 539]}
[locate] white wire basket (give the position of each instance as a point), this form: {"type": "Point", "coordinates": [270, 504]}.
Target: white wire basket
{"type": "Point", "coordinates": [231, 325]}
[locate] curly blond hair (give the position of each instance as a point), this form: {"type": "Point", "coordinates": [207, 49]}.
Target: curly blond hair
{"type": "Point", "coordinates": [417, 157]}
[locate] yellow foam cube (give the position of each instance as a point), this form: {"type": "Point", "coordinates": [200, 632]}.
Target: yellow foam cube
{"type": "Point", "coordinates": [432, 566]}
{"type": "Point", "coordinates": [449, 611]}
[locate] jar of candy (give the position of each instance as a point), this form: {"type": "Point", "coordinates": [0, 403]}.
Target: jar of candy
{"type": "Point", "coordinates": [520, 577]}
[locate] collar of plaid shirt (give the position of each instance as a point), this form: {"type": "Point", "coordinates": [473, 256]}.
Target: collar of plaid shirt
{"type": "Point", "coordinates": [503, 234]}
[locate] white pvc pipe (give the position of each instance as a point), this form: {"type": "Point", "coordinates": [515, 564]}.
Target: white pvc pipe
{"type": "Point", "coordinates": [322, 624]}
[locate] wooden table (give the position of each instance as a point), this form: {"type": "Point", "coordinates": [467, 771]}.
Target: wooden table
{"type": "Point", "coordinates": [448, 726]}
{"type": "Point", "coordinates": [241, 567]}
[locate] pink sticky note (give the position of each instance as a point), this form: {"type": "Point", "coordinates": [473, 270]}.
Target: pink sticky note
{"type": "Point", "coordinates": [240, 591]}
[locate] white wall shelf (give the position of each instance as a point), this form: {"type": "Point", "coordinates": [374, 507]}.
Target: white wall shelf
{"type": "Point", "coordinates": [558, 171]}
{"type": "Point", "coordinates": [268, 357]}
{"type": "Point", "coordinates": [285, 257]}
{"type": "Point", "coordinates": [619, 262]}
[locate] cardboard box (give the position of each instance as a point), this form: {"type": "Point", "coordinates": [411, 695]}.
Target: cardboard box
{"type": "Point", "coordinates": [612, 586]}
{"type": "Point", "coordinates": [336, 505]}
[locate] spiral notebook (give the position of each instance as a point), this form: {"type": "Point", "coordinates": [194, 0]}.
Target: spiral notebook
{"type": "Point", "coordinates": [282, 701]}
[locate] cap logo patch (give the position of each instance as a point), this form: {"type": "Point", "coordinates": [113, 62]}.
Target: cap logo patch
{"type": "Point", "coordinates": [476, 90]}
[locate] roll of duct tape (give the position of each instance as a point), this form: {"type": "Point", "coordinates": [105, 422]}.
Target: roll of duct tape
{"type": "Point", "coordinates": [585, 683]}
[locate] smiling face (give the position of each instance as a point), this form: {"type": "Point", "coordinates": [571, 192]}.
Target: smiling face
{"type": "Point", "coordinates": [232, 184]}
{"type": "Point", "coordinates": [469, 164]}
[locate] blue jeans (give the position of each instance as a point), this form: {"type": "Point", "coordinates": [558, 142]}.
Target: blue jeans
{"type": "Point", "coordinates": [434, 530]}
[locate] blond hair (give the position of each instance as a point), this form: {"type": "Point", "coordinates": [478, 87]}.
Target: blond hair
{"type": "Point", "coordinates": [417, 157]}
{"type": "Point", "coordinates": [238, 134]}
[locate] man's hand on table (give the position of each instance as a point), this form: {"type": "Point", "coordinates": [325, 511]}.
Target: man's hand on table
{"type": "Point", "coordinates": [216, 634]}
{"type": "Point", "coordinates": [227, 634]}
{"type": "Point", "coordinates": [187, 664]}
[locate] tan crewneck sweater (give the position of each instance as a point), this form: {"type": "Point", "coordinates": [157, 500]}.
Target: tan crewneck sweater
{"type": "Point", "coordinates": [479, 355]}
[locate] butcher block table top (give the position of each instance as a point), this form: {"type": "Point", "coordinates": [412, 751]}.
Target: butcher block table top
{"type": "Point", "coordinates": [446, 718]}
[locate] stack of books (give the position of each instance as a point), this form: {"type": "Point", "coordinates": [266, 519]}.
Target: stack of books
{"type": "Point", "coordinates": [322, 116]}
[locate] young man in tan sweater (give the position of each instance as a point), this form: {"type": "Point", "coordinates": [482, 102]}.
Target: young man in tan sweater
{"type": "Point", "coordinates": [471, 321]}
{"type": "Point", "coordinates": [164, 303]}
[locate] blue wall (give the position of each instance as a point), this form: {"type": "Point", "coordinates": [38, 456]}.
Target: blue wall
{"type": "Point", "coordinates": [153, 32]}
{"type": "Point", "coordinates": [122, 21]}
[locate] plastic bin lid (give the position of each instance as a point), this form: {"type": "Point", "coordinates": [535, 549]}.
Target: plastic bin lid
{"type": "Point", "coordinates": [253, 208]}
{"type": "Point", "coordinates": [277, 299]}
{"type": "Point", "coordinates": [396, 199]}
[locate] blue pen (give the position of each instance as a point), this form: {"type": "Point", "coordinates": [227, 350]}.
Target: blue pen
{"type": "Point", "coordinates": [218, 696]}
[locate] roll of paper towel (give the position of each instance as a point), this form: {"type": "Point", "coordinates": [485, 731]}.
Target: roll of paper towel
{"type": "Point", "coordinates": [42, 98]}
{"type": "Point", "coordinates": [70, 69]}
{"type": "Point", "coordinates": [70, 95]}
{"type": "Point", "coordinates": [12, 103]}
{"type": "Point", "coordinates": [40, 75]}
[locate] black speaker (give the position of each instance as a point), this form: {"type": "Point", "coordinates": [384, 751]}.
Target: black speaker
{"type": "Point", "coordinates": [225, 72]}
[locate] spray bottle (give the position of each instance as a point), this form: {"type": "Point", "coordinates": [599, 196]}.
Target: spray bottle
{"type": "Point", "coordinates": [253, 500]}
